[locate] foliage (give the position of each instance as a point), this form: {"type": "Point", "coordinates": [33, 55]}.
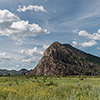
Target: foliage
{"type": "Point", "coordinates": [13, 72]}
{"type": "Point", "coordinates": [50, 87]}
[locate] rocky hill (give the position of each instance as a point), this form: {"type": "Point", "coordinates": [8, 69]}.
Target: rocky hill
{"type": "Point", "coordinates": [59, 59]}
{"type": "Point", "coordinates": [13, 72]}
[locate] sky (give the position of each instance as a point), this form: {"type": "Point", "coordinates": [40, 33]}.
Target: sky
{"type": "Point", "coordinates": [28, 27]}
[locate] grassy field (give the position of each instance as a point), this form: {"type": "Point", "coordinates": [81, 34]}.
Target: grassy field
{"type": "Point", "coordinates": [49, 88]}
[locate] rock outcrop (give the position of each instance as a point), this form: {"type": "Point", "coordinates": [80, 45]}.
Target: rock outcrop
{"type": "Point", "coordinates": [59, 59]}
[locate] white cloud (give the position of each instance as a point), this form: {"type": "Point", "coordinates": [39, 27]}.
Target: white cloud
{"type": "Point", "coordinates": [75, 30]}
{"type": "Point", "coordinates": [45, 46]}
{"type": "Point", "coordinates": [84, 33]}
{"type": "Point", "coordinates": [32, 52]}
{"type": "Point", "coordinates": [99, 31]}
{"type": "Point", "coordinates": [12, 26]}
{"type": "Point", "coordinates": [31, 7]}
{"type": "Point", "coordinates": [19, 43]}
{"type": "Point", "coordinates": [88, 44]}
{"type": "Point", "coordinates": [29, 60]}
{"type": "Point", "coordinates": [4, 58]}
{"type": "Point", "coordinates": [85, 44]}
{"type": "Point", "coordinates": [7, 16]}
{"type": "Point", "coordinates": [98, 48]}
{"type": "Point", "coordinates": [29, 69]}
{"type": "Point", "coordinates": [74, 43]}
{"type": "Point", "coordinates": [14, 68]}
{"type": "Point", "coordinates": [17, 66]}
{"type": "Point", "coordinates": [32, 55]}
{"type": "Point", "coordinates": [94, 36]}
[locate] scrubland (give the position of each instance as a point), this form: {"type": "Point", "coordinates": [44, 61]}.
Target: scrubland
{"type": "Point", "coordinates": [49, 87]}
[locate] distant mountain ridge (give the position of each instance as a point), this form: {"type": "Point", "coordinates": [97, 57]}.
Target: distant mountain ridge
{"type": "Point", "coordinates": [13, 72]}
{"type": "Point", "coordinates": [59, 59]}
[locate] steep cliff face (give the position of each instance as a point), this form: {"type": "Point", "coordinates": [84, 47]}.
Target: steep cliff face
{"type": "Point", "coordinates": [59, 59]}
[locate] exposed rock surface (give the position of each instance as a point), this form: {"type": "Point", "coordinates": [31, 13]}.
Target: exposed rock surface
{"type": "Point", "coordinates": [59, 59]}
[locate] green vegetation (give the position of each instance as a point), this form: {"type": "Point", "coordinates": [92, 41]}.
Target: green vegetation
{"type": "Point", "coordinates": [13, 72]}
{"type": "Point", "coordinates": [49, 87]}
{"type": "Point", "coordinates": [60, 51]}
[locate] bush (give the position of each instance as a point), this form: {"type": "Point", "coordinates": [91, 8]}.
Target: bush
{"type": "Point", "coordinates": [8, 74]}
{"type": "Point", "coordinates": [44, 78]}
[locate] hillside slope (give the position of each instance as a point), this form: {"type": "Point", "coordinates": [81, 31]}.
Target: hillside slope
{"type": "Point", "coordinates": [13, 72]}
{"type": "Point", "coordinates": [59, 59]}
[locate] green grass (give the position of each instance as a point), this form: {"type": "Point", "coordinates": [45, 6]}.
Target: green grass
{"type": "Point", "coordinates": [50, 88]}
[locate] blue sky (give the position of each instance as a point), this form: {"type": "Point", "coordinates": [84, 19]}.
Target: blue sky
{"type": "Point", "coordinates": [28, 27]}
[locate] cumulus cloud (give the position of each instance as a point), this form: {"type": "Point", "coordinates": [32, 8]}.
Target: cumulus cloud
{"type": "Point", "coordinates": [4, 58]}
{"type": "Point", "coordinates": [12, 26]}
{"type": "Point", "coordinates": [29, 60]}
{"type": "Point", "coordinates": [94, 36]}
{"type": "Point", "coordinates": [88, 44]}
{"type": "Point", "coordinates": [7, 16]}
{"type": "Point", "coordinates": [32, 55]}
{"type": "Point", "coordinates": [83, 33]}
{"type": "Point", "coordinates": [74, 43]}
{"type": "Point", "coordinates": [85, 44]}
{"type": "Point", "coordinates": [31, 7]}
{"type": "Point", "coordinates": [99, 31]}
{"type": "Point", "coordinates": [45, 46]}
{"type": "Point", "coordinates": [98, 48]}
{"type": "Point", "coordinates": [32, 52]}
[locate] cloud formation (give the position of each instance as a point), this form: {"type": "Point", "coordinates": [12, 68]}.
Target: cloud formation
{"type": "Point", "coordinates": [32, 52]}
{"type": "Point", "coordinates": [12, 26]}
{"type": "Point", "coordinates": [45, 46]}
{"type": "Point", "coordinates": [92, 37]}
{"type": "Point", "coordinates": [98, 48]}
{"type": "Point", "coordinates": [4, 58]}
{"type": "Point", "coordinates": [85, 44]}
{"type": "Point", "coordinates": [31, 7]}
{"type": "Point", "coordinates": [74, 43]}
{"type": "Point", "coordinates": [29, 60]}
{"type": "Point", "coordinates": [88, 44]}
{"type": "Point", "coordinates": [99, 31]}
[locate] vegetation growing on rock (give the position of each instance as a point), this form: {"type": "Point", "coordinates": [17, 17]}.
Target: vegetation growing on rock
{"type": "Point", "coordinates": [59, 59]}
